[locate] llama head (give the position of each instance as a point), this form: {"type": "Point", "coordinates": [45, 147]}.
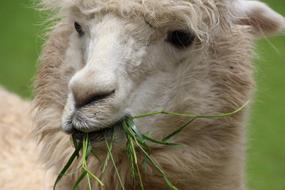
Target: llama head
{"type": "Point", "coordinates": [111, 58]}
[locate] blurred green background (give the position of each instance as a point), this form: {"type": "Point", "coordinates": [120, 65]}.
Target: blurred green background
{"type": "Point", "coordinates": [21, 32]}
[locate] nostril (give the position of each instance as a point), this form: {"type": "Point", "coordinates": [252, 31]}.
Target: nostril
{"type": "Point", "coordinates": [92, 98]}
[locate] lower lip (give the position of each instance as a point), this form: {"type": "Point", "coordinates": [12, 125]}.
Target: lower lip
{"type": "Point", "coordinates": [98, 136]}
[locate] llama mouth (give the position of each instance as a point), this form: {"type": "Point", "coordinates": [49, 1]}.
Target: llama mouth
{"type": "Point", "coordinates": [100, 135]}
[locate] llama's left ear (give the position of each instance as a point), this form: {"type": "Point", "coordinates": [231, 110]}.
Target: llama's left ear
{"type": "Point", "coordinates": [261, 18]}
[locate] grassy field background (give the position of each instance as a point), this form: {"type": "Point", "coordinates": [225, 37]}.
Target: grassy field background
{"type": "Point", "coordinates": [20, 41]}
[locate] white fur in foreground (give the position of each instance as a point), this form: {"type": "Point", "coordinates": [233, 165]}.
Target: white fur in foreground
{"type": "Point", "coordinates": [19, 165]}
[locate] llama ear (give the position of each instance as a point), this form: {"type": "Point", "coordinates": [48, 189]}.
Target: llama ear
{"type": "Point", "coordinates": [261, 18]}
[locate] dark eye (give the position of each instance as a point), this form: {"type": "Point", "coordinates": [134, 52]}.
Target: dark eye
{"type": "Point", "coordinates": [180, 39]}
{"type": "Point", "coordinates": [78, 28]}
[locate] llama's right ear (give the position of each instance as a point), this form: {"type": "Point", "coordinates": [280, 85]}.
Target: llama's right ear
{"type": "Point", "coordinates": [261, 18]}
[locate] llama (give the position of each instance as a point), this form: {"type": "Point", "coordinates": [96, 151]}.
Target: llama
{"type": "Point", "coordinates": [108, 58]}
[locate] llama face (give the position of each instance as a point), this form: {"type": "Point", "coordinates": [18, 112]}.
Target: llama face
{"type": "Point", "coordinates": [120, 65]}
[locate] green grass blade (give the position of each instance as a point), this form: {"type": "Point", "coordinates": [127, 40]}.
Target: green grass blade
{"type": "Point", "coordinates": [89, 182]}
{"type": "Point", "coordinates": [131, 159]}
{"type": "Point", "coordinates": [106, 160]}
{"type": "Point", "coordinates": [131, 133]}
{"type": "Point", "coordinates": [79, 180]}
{"type": "Point", "coordinates": [76, 143]}
{"type": "Point", "coordinates": [114, 164]}
{"type": "Point", "coordinates": [156, 165]}
{"type": "Point", "coordinates": [199, 117]}
{"type": "Point", "coordinates": [93, 176]}
{"type": "Point", "coordinates": [67, 166]}
{"type": "Point", "coordinates": [150, 114]}
{"type": "Point", "coordinates": [86, 150]}
{"type": "Point", "coordinates": [131, 125]}
{"type": "Point", "coordinates": [163, 142]}
{"type": "Point", "coordinates": [131, 151]}
{"type": "Point", "coordinates": [135, 163]}
{"type": "Point", "coordinates": [178, 130]}
{"type": "Point", "coordinates": [137, 167]}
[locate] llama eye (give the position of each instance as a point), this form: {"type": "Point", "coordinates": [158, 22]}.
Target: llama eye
{"type": "Point", "coordinates": [180, 39]}
{"type": "Point", "coordinates": [79, 29]}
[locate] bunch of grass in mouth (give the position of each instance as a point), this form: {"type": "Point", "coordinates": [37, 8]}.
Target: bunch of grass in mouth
{"type": "Point", "coordinates": [136, 142]}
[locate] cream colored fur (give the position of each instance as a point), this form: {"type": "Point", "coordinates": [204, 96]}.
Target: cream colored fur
{"type": "Point", "coordinates": [124, 48]}
{"type": "Point", "coordinates": [20, 168]}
